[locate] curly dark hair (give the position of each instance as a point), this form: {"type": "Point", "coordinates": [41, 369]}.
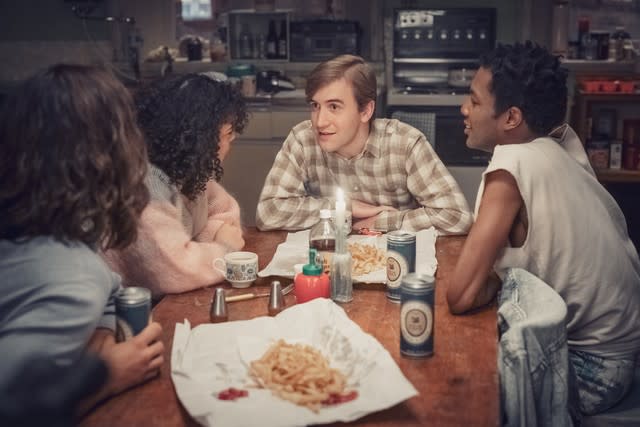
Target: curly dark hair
{"type": "Point", "coordinates": [72, 159]}
{"type": "Point", "coordinates": [181, 118]}
{"type": "Point", "coordinates": [527, 76]}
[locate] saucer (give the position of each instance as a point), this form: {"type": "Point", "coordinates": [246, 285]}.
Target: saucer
{"type": "Point", "coordinates": [241, 284]}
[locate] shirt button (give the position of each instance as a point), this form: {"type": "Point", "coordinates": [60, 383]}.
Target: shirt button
{"type": "Point", "coordinates": [356, 188]}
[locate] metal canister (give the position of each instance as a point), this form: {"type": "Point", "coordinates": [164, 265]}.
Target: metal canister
{"type": "Point", "coordinates": [133, 312]}
{"type": "Point", "coordinates": [417, 315]}
{"type": "Point", "coordinates": [401, 260]}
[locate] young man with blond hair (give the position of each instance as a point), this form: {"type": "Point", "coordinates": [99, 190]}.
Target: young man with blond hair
{"type": "Point", "coordinates": [392, 175]}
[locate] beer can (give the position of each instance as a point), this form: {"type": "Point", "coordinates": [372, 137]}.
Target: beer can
{"type": "Point", "coordinates": [417, 315]}
{"type": "Point", "coordinates": [133, 312]}
{"type": "Point", "coordinates": [401, 260]}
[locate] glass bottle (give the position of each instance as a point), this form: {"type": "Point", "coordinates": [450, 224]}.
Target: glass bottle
{"type": "Point", "coordinates": [272, 41]}
{"type": "Point", "coordinates": [322, 237]}
{"type": "Point", "coordinates": [245, 42]}
{"type": "Point", "coordinates": [261, 46]}
{"type": "Point", "coordinates": [282, 41]}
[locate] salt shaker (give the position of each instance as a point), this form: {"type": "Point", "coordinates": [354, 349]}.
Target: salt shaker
{"type": "Point", "coordinates": [218, 311]}
{"type": "Point", "coordinates": [276, 299]}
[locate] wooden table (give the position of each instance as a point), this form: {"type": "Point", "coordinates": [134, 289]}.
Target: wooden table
{"type": "Point", "coordinates": [458, 385]}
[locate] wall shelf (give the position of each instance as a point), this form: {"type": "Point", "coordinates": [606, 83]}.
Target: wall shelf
{"type": "Point", "coordinates": [618, 175]}
{"type": "Point", "coordinates": [601, 67]}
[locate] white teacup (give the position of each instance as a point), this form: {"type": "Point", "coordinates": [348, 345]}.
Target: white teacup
{"type": "Point", "coordinates": [239, 268]}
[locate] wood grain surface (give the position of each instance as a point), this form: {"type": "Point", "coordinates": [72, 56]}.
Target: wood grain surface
{"type": "Point", "coordinates": [458, 385]}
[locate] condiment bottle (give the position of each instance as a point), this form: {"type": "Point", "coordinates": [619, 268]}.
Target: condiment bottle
{"type": "Point", "coordinates": [322, 237]}
{"type": "Point", "coordinates": [312, 282]}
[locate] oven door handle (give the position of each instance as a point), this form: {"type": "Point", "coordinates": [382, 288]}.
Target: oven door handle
{"type": "Point", "coordinates": [434, 61]}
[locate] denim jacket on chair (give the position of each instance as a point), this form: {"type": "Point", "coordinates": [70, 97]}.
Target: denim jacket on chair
{"type": "Point", "coordinates": [533, 353]}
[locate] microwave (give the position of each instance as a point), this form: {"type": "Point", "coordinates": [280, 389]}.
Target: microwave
{"type": "Point", "coordinates": [444, 128]}
{"type": "Point", "coordinates": [320, 40]}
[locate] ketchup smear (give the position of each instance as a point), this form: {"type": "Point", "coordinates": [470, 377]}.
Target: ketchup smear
{"type": "Point", "coordinates": [232, 394]}
{"type": "Point", "coordinates": [335, 398]}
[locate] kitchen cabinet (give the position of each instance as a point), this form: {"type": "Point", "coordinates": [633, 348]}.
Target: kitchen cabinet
{"type": "Point", "coordinates": [585, 105]}
{"type": "Point", "coordinates": [253, 153]}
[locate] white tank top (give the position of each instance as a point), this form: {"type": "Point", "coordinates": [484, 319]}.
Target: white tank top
{"type": "Point", "coordinates": [577, 242]}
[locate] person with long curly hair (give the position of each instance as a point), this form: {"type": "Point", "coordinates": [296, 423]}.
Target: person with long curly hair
{"type": "Point", "coordinates": [72, 168]}
{"type": "Point", "coordinates": [189, 123]}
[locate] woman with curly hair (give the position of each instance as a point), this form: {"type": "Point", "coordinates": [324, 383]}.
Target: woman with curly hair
{"type": "Point", "coordinates": [189, 123]}
{"type": "Point", "coordinates": [72, 167]}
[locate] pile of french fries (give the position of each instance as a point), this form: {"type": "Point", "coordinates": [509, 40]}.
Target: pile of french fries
{"type": "Point", "coordinates": [297, 373]}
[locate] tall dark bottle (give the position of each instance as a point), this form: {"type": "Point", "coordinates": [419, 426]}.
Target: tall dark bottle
{"type": "Point", "coordinates": [272, 41]}
{"type": "Point", "coordinates": [282, 41]}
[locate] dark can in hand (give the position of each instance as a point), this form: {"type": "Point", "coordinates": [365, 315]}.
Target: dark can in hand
{"type": "Point", "coordinates": [417, 315]}
{"type": "Point", "coordinates": [401, 260]}
{"type": "Point", "coordinates": [133, 312]}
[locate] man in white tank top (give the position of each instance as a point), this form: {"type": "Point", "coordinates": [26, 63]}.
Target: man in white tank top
{"type": "Point", "coordinates": [541, 208]}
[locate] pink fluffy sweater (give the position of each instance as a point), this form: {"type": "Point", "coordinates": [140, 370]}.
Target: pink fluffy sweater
{"type": "Point", "coordinates": [176, 243]}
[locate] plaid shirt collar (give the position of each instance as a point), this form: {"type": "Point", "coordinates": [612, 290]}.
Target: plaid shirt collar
{"type": "Point", "coordinates": [373, 146]}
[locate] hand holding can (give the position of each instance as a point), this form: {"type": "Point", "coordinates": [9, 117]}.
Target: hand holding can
{"type": "Point", "coordinates": [133, 312]}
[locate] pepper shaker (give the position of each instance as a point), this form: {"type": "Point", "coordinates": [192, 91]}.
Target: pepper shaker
{"type": "Point", "coordinates": [276, 299]}
{"type": "Point", "coordinates": [218, 311]}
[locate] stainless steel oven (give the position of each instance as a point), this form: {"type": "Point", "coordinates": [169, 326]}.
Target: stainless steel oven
{"type": "Point", "coordinates": [435, 51]}
{"type": "Point", "coordinates": [444, 128]}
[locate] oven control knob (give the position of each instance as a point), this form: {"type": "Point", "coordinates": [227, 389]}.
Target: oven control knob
{"type": "Point", "coordinates": [469, 34]}
{"type": "Point", "coordinates": [404, 35]}
{"type": "Point", "coordinates": [443, 35]}
{"type": "Point", "coordinates": [417, 35]}
{"type": "Point", "coordinates": [456, 34]}
{"type": "Point", "coordinates": [430, 34]}
{"type": "Point", "coordinates": [482, 35]}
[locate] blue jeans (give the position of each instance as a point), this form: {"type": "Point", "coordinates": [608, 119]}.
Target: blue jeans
{"type": "Point", "coordinates": [596, 383]}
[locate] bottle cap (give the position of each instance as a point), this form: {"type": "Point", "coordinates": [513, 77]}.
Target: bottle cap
{"type": "Point", "coordinates": [276, 299]}
{"type": "Point", "coordinates": [312, 269]}
{"type": "Point", "coordinates": [325, 213]}
{"type": "Point", "coordinates": [219, 307]}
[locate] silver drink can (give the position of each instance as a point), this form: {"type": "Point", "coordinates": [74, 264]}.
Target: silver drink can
{"type": "Point", "coordinates": [401, 260]}
{"type": "Point", "coordinates": [133, 312]}
{"type": "Point", "coordinates": [417, 315]}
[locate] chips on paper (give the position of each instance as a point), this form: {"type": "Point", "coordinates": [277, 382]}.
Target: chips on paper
{"type": "Point", "coordinates": [297, 373]}
{"type": "Point", "coordinates": [366, 258]}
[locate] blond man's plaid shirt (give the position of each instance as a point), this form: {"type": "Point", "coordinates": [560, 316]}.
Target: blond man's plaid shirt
{"type": "Point", "coordinates": [397, 168]}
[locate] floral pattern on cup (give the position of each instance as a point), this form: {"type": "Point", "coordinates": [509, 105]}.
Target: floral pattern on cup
{"type": "Point", "coordinates": [239, 268]}
{"type": "Point", "coordinates": [241, 273]}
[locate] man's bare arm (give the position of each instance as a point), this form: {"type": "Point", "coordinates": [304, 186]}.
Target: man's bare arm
{"type": "Point", "coordinates": [499, 207]}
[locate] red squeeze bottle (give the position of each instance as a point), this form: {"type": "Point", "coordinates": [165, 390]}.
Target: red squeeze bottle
{"type": "Point", "coordinates": [312, 282]}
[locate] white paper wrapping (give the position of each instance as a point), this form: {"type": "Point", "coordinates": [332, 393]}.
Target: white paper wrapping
{"type": "Point", "coordinates": [295, 250]}
{"type": "Point", "coordinates": [214, 357]}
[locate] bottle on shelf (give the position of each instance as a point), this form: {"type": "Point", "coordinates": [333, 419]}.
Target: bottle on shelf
{"type": "Point", "coordinates": [583, 36]}
{"type": "Point", "coordinates": [282, 41]}
{"type": "Point", "coordinates": [261, 46]}
{"type": "Point", "coordinates": [617, 44]}
{"type": "Point", "coordinates": [272, 41]}
{"type": "Point", "coordinates": [322, 237]}
{"type": "Point", "coordinates": [245, 42]}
